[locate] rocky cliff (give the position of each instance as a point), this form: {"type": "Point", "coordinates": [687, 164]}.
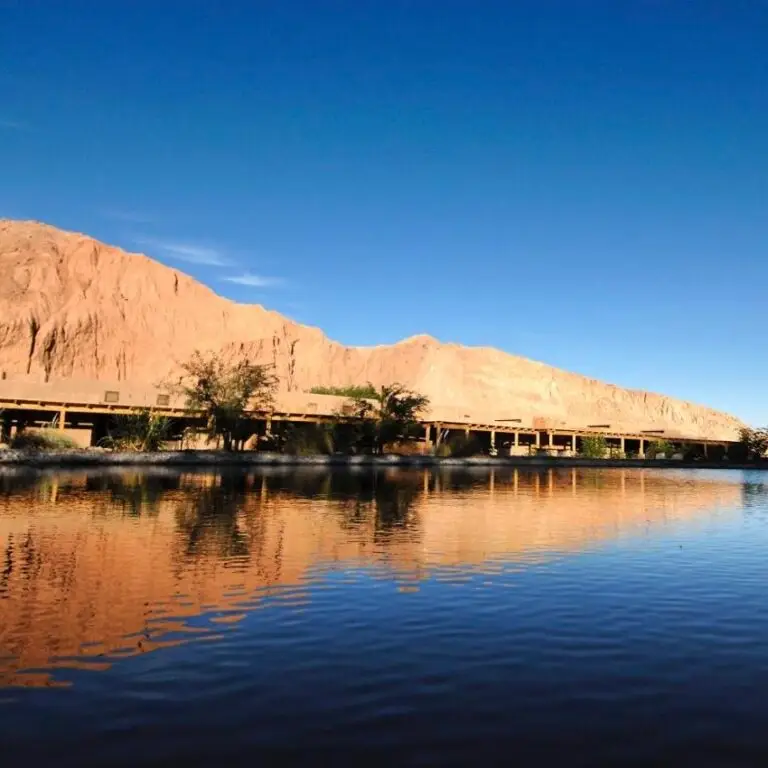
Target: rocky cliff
{"type": "Point", "coordinates": [71, 307]}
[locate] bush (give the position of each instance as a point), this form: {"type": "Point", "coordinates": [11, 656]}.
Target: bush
{"type": "Point", "coordinates": [692, 452]}
{"type": "Point", "coordinates": [142, 431]}
{"type": "Point", "coordinates": [594, 447]}
{"type": "Point", "coordinates": [307, 439]}
{"type": "Point", "coordinates": [43, 440]}
{"type": "Point", "coordinates": [354, 392]}
{"type": "Point", "coordinates": [462, 447]}
{"type": "Point", "coordinates": [459, 447]}
{"type": "Point", "coordinates": [660, 446]}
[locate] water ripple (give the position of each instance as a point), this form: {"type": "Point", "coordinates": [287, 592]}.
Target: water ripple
{"type": "Point", "coordinates": [438, 617]}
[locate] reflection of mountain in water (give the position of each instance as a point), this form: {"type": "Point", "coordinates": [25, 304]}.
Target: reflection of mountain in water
{"type": "Point", "coordinates": [98, 565]}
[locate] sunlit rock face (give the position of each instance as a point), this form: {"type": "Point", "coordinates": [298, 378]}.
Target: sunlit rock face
{"type": "Point", "coordinates": [76, 309]}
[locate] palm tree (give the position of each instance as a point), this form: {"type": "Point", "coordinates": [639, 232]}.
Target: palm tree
{"type": "Point", "coordinates": [391, 414]}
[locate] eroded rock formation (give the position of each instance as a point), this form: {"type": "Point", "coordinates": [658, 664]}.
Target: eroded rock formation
{"type": "Point", "coordinates": [72, 307]}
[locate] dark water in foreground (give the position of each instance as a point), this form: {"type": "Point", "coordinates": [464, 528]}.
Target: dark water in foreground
{"type": "Point", "coordinates": [578, 617]}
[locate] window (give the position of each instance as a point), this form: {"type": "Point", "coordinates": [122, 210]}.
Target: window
{"type": "Point", "coordinates": [163, 399]}
{"type": "Point", "coordinates": [110, 396]}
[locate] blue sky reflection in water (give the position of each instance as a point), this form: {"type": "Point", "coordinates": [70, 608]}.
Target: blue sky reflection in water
{"type": "Point", "coordinates": [580, 616]}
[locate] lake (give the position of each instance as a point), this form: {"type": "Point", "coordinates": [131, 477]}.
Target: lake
{"type": "Point", "coordinates": [394, 617]}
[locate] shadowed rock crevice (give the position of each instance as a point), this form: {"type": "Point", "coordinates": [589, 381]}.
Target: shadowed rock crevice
{"type": "Point", "coordinates": [34, 330]}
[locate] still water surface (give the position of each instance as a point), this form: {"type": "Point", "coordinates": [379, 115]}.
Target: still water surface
{"type": "Point", "coordinates": [578, 617]}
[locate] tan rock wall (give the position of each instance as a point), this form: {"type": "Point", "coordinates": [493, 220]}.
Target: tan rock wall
{"type": "Point", "coordinates": [75, 308]}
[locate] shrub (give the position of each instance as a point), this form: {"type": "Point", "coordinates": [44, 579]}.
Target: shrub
{"type": "Point", "coordinates": [594, 447]}
{"type": "Point", "coordinates": [307, 439]}
{"type": "Point", "coordinates": [461, 446]}
{"type": "Point", "coordinates": [354, 392]}
{"type": "Point", "coordinates": [43, 440]}
{"type": "Point", "coordinates": [660, 446]}
{"type": "Point", "coordinates": [692, 452]}
{"type": "Point", "coordinates": [141, 431]}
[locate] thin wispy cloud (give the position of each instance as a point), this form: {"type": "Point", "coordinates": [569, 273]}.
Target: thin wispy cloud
{"type": "Point", "coordinates": [132, 217]}
{"type": "Point", "coordinates": [13, 125]}
{"type": "Point", "coordinates": [253, 281]}
{"type": "Point", "coordinates": [192, 253]}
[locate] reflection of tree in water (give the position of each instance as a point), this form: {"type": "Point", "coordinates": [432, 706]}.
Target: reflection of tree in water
{"type": "Point", "coordinates": [12, 483]}
{"type": "Point", "coordinates": [754, 494]}
{"type": "Point", "coordinates": [304, 483]}
{"type": "Point", "coordinates": [8, 565]}
{"type": "Point", "coordinates": [20, 555]}
{"type": "Point", "coordinates": [459, 479]}
{"type": "Point", "coordinates": [208, 520]}
{"type": "Point", "coordinates": [135, 493]}
{"type": "Point", "coordinates": [389, 496]}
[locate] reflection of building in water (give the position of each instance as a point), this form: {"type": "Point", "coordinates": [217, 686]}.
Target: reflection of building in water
{"type": "Point", "coordinates": [94, 565]}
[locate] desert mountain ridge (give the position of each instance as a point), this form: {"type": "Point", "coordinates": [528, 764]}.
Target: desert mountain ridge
{"type": "Point", "coordinates": [74, 308]}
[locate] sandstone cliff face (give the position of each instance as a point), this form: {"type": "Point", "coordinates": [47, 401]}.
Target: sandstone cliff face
{"type": "Point", "coordinates": [71, 307]}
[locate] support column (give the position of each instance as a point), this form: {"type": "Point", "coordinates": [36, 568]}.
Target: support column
{"type": "Point", "coordinates": [641, 451]}
{"type": "Point", "coordinates": [493, 442]}
{"type": "Point", "coordinates": [538, 439]}
{"type": "Point", "coordinates": [623, 446]}
{"type": "Point", "coordinates": [62, 418]}
{"type": "Point", "coordinates": [269, 426]}
{"type": "Point", "coordinates": [573, 443]}
{"type": "Point", "coordinates": [427, 436]}
{"type": "Point", "coordinates": [551, 440]}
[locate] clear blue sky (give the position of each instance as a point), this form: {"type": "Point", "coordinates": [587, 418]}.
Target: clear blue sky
{"type": "Point", "coordinates": [584, 183]}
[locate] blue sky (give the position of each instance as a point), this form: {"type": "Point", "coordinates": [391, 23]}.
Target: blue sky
{"type": "Point", "coordinates": [583, 183]}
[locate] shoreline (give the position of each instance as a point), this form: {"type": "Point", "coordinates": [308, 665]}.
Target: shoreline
{"type": "Point", "coordinates": [66, 459]}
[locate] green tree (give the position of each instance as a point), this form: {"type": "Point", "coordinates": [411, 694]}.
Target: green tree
{"type": "Point", "coordinates": [594, 446]}
{"type": "Point", "coordinates": [754, 442]}
{"type": "Point", "coordinates": [225, 392]}
{"type": "Point", "coordinates": [393, 413]}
